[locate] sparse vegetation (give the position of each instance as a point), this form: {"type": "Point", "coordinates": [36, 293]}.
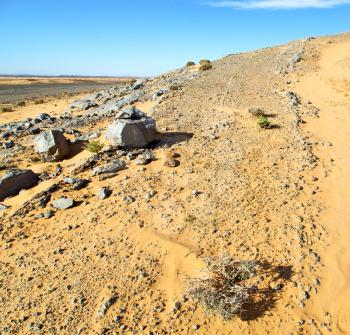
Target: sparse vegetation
{"type": "Point", "coordinates": [130, 82]}
{"type": "Point", "coordinates": [256, 112]}
{"type": "Point", "coordinates": [94, 146]}
{"type": "Point", "coordinates": [205, 67]}
{"type": "Point", "coordinates": [190, 218]}
{"type": "Point", "coordinates": [21, 104]}
{"type": "Point", "coordinates": [39, 102]}
{"type": "Point", "coordinates": [263, 122]}
{"type": "Point", "coordinates": [6, 109]}
{"type": "Point", "coordinates": [175, 87]}
{"type": "Point", "coordinates": [123, 94]}
{"type": "Point", "coordinates": [224, 288]}
{"type": "Point", "coordinates": [204, 61]}
{"type": "Point", "coordinates": [190, 63]}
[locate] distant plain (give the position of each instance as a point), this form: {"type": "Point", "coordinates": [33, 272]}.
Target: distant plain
{"type": "Point", "coordinates": [14, 89]}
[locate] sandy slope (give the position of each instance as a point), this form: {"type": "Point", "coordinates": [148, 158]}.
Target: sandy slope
{"type": "Point", "coordinates": [328, 89]}
{"type": "Point", "coordinates": [262, 195]}
{"type": "Point", "coordinates": [53, 106]}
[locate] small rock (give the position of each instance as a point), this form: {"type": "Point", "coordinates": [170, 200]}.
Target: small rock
{"type": "Point", "coordinates": [177, 306]}
{"type": "Point", "coordinates": [106, 304]}
{"type": "Point", "coordinates": [48, 214]}
{"type": "Point", "coordinates": [117, 318]}
{"type": "Point", "coordinates": [8, 145]}
{"type": "Point", "coordinates": [129, 199]}
{"type": "Point", "coordinates": [304, 296]}
{"type": "Point", "coordinates": [112, 167]}
{"type": "Point", "coordinates": [64, 203]}
{"type": "Point", "coordinates": [35, 327]}
{"type": "Point", "coordinates": [104, 193]}
{"type": "Point", "coordinates": [171, 162]}
{"type": "Point", "coordinates": [151, 194]}
{"type": "Point", "coordinates": [77, 184]}
{"type": "Point", "coordinates": [141, 161]}
{"type": "Point", "coordinates": [34, 131]}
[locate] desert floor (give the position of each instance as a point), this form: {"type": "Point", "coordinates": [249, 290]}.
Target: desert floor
{"type": "Point", "coordinates": [277, 195]}
{"type": "Point", "coordinates": [19, 89]}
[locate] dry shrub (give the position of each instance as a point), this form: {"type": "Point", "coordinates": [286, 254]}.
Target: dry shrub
{"type": "Point", "coordinates": [257, 112]}
{"type": "Point", "coordinates": [175, 87]}
{"type": "Point", "coordinates": [224, 288]}
{"type": "Point", "coordinates": [190, 63]}
{"type": "Point", "coordinates": [21, 104]}
{"type": "Point", "coordinates": [205, 67]}
{"type": "Point", "coordinates": [6, 109]}
{"type": "Point", "coordinates": [204, 61]}
{"type": "Point", "coordinates": [130, 82]}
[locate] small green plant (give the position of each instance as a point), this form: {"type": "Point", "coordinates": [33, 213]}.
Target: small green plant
{"type": "Point", "coordinates": [263, 122]}
{"type": "Point", "coordinates": [189, 64]}
{"type": "Point", "coordinates": [205, 67]}
{"type": "Point", "coordinates": [204, 61]}
{"type": "Point", "coordinates": [94, 146]}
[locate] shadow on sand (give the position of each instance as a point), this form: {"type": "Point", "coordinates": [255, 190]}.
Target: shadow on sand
{"type": "Point", "coordinates": [263, 300]}
{"type": "Point", "coordinates": [171, 138]}
{"type": "Point", "coordinates": [76, 148]}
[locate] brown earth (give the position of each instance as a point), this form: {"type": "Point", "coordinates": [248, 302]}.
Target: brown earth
{"type": "Point", "coordinates": [277, 195]}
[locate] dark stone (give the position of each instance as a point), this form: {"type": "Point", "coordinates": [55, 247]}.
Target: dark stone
{"type": "Point", "coordinates": [15, 181]}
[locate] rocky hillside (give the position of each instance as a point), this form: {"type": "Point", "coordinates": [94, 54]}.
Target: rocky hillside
{"type": "Point", "coordinates": [108, 242]}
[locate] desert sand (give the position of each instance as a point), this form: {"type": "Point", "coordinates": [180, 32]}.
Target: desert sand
{"type": "Point", "coordinates": [328, 89]}
{"type": "Point", "coordinates": [277, 195]}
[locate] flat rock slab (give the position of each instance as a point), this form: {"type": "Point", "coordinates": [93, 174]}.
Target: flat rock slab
{"type": "Point", "coordinates": [112, 167]}
{"type": "Point", "coordinates": [16, 180]}
{"type": "Point", "coordinates": [63, 203]}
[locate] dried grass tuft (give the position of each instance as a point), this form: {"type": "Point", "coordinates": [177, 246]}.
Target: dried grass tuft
{"type": "Point", "coordinates": [223, 288]}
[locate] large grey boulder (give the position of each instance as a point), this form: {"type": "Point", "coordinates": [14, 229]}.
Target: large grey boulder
{"type": "Point", "coordinates": [51, 145]}
{"type": "Point", "coordinates": [132, 129]}
{"type": "Point", "coordinates": [16, 180]}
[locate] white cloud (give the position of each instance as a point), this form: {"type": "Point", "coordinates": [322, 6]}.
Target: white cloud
{"type": "Point", "coordinates": [278, 4]}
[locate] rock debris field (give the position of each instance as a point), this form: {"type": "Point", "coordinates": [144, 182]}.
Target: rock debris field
{"type": "Point", "coordinates": [110, 209]}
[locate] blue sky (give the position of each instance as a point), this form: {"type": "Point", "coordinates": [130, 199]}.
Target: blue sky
{"type": "Point", "coordinates": [147, 37]}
